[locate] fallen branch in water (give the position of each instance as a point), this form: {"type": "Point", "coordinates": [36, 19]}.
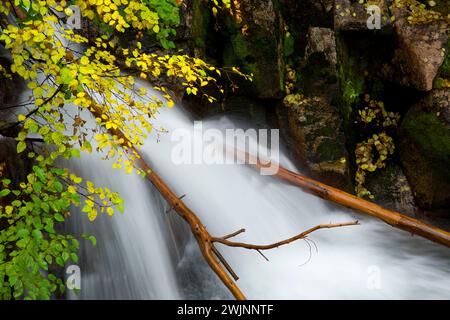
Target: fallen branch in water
{"type": "Point", "coordinates": [326, 192]}
{"type": "Point", "coordinates": [302, 235]}
{"type": "Point", "coordinates": [205, 241]}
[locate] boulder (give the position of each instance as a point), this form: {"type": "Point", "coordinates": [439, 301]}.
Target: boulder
{"type": "Point", "coordinates": [196, 33]}
{"type": "Point", "coordinates": [317, 139]}
{"type": "Point", "coordinates": [424, 145]}
{"type": "Point", "coordinates": [392, 190]}
{"type": "Point", "coordinates": [300, 15]}
{"type": "Point", "coordinates": [322, 41]}
{"type": "Point", "coordinates": [420, 51]}
{"type": "Point", "coordinates": [353, 16]}
{"type": "Point", "coordinates": [318, 72]}
{"type": "Point", "coordinates": [311, 120]}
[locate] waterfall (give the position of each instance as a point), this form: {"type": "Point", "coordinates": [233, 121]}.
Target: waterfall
{"type": "Point", "coordinates": [148, 253]}
{"type": "Point", "coordinates": [131, 259]}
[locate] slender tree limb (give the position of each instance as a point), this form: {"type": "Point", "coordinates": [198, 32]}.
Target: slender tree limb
{"type": "Point", "coordinates": [224, 263]}
{"type": "Point", "coordinates": [283, 242]}
{"type": "Point", "coordinates": [234, 234]}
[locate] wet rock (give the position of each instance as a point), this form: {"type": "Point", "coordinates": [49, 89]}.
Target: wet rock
{"type": "Point", "coordinates": [424, 145]}
{"type": "Point", "coordinates": [196, 33]}
{"type": "Point", "coordinates": [300, 15]}
{"type": "Point", "coordinates": [318, 72]}
{"type": "Point", "coordinates": [311, 120]}
{"type": "Point", "coordinates": [420, 52]}
{"type": "Point", "coordinates": [353, 16]}
{"type": "Point", "coordinates": [317, 140]}
{"type": "Point", "coordinates": [321, 40]}
{"type": "Point", "coordinates": [392, 190]}
{"type": "Point", "coordinates": [256, 45]}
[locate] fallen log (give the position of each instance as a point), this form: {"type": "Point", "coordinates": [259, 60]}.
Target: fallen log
{"type": "Point", "coordinates": [395, 219]}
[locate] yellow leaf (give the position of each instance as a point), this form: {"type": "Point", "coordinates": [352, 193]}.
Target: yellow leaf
{"type": "Point", "coordinates": [92, 215]}
{"type": "Point", "coordinates": [72, 189]}
{"type": "Point", "coordinates": [84, 60]}
{"type": "Point", "coordinates": [110, 211]}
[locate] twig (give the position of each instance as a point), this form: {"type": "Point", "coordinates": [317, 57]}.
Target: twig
{"type": "Point", "coordinates": [283, 242]}
{"type": "Point", "coordinates": [234, 234]}
{"type": "Point", "coordinates": [262, 254]}
{"type": "Point", "coordinates": [173, 206]}
{"type": "Point", "coordinates": [225, 263]}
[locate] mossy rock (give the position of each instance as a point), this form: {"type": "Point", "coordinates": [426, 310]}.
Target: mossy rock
{"type": "Point", "coordinates": [391, 189]}
{"type": "Point", "coordinates": [424, 143]}
{"type": "Point", "coordinates": [259, 50]}
{"type": "Point", "coordinates": [317, 139]}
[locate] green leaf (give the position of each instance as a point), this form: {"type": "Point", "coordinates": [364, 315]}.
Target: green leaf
{"type": "Point", "coordinates": [59, 217]}
{"type": "Point", "coordinates": [74, 257]}
{"type": "Point", "coordinates": [21, 146]}
{"type": "Point", "coordinates": [22, 233]}
{"type": "Point", "coordinates": [49, 260]}
{"type": "Point", "coordinates": [58, 186]}
{"type": "Point", "coordinates": [40, 173]}
{"type": "Point", "coordinates": [66, 77]}
{"type": "Point", "coordinates": [93, 240]}
{"type": "Point", "coordinates": [59, 261]}
{"type": "Point", "coordinates": [12, 280]}
{"type": "Point", "coordinates": [37, 234]}
{"type": "Point", "coordinates": [4, 192]}
{"type": "Point", "coordinates": [22, 243]}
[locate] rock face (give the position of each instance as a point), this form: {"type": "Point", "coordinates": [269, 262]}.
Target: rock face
{"type": "Point", "coordinates": [300, 15]}
{"type": "Point", "coordinates": [196, 32]}
{"type": "Point", "coordinates": [318, 142]}
{"type": "Point", "coordinates": [322, 41]}
{"type": "Point", "coordinates": [392, 189]}
{"type": "Point", "coordinates": [419, 54]}
{"type": "Point", "coordinates": [312, 118]}
{"type": "Point", "coordinates": [256, 46]}
{"type": "Point", "coordinates": [353, 16]}
{"type": "Point", "coordinates": [424, 142]}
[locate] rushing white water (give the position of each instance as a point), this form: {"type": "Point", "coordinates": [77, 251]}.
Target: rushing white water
{"type": "Point", "coordinates": [136, 251]}
{"type": "Point", "coordinates": [131, 259]}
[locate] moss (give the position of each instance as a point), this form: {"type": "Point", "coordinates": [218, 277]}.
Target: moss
{"type": "Point", "coordinates": [327, 131]}
{"type": "Point", "coordinates": [252, 54]}
{"type": "Point", "coordinates": [444, 71]}
{"type": "Point", "coordinates": [289, 44]}
{"type": "Point", "coordinates": [352, 79]}
{"type": "Point", "coordinates": [431, 136]}
{"type": "Point", "coordinates": [329, 151]}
